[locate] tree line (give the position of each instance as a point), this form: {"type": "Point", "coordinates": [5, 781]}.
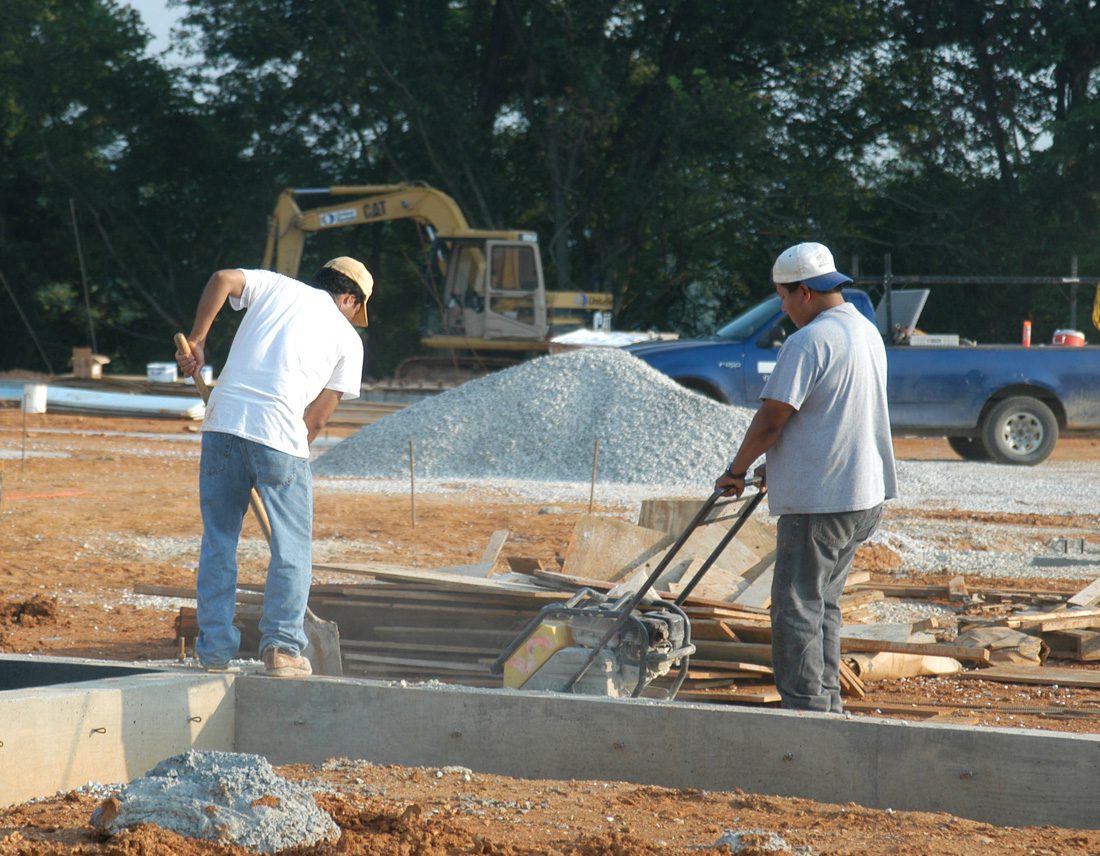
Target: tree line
{"type": "Point", "coordinates": [664, 152]}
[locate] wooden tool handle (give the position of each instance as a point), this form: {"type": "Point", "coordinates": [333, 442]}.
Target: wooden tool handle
{"type": "Point", "coordinates": [184, 347]}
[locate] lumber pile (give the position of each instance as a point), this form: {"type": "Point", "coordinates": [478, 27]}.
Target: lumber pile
{"type": "Point", "coordinates": [450, 624]}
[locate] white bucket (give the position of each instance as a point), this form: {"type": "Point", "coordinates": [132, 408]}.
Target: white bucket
{"type": "Point", "coordinates": [160, 372]}
{"type": "Point", "coordinates": [34, 398]}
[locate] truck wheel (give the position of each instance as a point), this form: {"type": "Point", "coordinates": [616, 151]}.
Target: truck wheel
{"type": "Point", "coordinates": [968, 448]}
{"type": "Point", "coordinates": [1020, 430]}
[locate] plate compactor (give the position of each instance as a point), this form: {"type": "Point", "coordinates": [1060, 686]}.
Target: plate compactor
{"type": "Point", "coordinates": [592, 644]}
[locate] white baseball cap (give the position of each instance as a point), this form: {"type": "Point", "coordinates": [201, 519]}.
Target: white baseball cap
{"type": "Point", "coordinates": [809, 263]}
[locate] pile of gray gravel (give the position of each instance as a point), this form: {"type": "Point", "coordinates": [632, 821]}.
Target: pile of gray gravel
{"type": "Point", "coordinates": [540, 421]}
{"type": "Point", "coordinates": [221, 796]}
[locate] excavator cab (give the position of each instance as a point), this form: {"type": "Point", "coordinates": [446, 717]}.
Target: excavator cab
{"type": "Point", "coordinates": [493, 289]}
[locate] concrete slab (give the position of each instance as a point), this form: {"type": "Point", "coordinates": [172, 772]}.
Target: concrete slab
{"type": "Point", "coordinates": [107, 730]}
{"type": "Point", "coordinates": [1002, 776]}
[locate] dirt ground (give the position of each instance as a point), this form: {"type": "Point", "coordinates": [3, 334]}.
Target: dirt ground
{"type": "Point", "coordinates": [86, 510]}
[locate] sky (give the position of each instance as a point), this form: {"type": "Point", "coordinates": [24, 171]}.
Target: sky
{"type": "Point", "coordinates": [159, 20]}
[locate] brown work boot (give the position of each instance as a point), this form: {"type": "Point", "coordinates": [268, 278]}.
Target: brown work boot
{"type": "Point", "coordinates": [279, 664]}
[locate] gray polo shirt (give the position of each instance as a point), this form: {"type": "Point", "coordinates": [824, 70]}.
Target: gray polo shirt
{"type": "Point", "coordinates": [835, 453]}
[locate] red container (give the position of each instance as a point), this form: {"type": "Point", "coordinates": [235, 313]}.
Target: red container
{"type": "Point", "coordinates": [1027, 334]}
{"type": "Point", "coordinates": [1069, 338]}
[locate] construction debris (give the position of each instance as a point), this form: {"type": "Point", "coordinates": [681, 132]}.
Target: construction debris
{"type": "Point", "coordinates": [450, 624]}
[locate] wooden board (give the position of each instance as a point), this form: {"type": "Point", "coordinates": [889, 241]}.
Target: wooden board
{"type": "Point", "coordinates": [434, 578]}
{"type": "Point", "coordinates": [759, 592]}
{"type": "Point", "coordinates": [674, 514]}
{"type": "Point", "coordinates": [1082, 645]}
{"type": "Point", "coordinates": [1045, 675]}
{"type": "Point", "coordinates": [1088, 596]}
{"type": "Point", "coordinates": [971, 655]}
{"type": "Point", "coordinates": [763, 694]}
{"type": "Point", "coordinates": [732, 652]}
{"type": "Point", "coordinates": [604, 549]}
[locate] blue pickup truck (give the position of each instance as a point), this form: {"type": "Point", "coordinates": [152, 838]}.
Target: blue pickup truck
{"type": "Point", "coordinates": [1001, 403]}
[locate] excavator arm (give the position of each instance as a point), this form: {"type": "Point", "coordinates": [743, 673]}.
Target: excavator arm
{"type": "Point", "coordinates": [493, 296]}
{"type": "Point", "coordinates": [289, 224]}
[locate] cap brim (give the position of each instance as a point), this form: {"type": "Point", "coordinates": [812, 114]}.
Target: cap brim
{"type": "Point", "coordinates": [359, 319]}
{"type": "Point", "coordinates": [827, 281]}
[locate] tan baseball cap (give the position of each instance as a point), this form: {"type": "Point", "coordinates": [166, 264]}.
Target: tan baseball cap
{"type": "Point", "coordinates": [357, 272]}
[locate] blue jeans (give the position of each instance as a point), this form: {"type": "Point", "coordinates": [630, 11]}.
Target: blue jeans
{"type": "Point", "coordinates": [230, 467]}
{"type": "Point", "coordinates": [813, 555]}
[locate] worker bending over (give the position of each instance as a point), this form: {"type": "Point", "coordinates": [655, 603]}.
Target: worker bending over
{"type": "Point", "coordinates": [293, 358]}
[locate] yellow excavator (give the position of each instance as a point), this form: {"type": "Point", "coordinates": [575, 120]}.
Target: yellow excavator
{"type": "Point", "coordinates": [490, 297]}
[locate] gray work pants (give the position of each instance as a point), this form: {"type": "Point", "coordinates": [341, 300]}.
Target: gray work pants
{"type": "Point", "coordinates": [813, 555]}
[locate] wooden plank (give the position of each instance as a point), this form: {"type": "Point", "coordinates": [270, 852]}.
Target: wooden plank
{"type": "Point", "coordinates": [970, 655]}
{"type": "Point", "coordinates": [732, 665]}
{"type": "Point", "coordinates": [419, 647]}
{"type": "Point", "coordinates": [441, 665]}
{"type": "Point", "coordinates": [1088, 596]}
{"type": "Point", "coordinates": [1060, 619]}
{"type": "Point", "coordinates": [1046, 675]}
{"type": "Point", "coordinates": [896, 631]}
{"type": "Point", "coordinates": [850, 684]}
{"type": "Point", "coordinates": [674, 514]}
{"type": "Point", "coordinates": [1070, 622]}
{"type": "Point", "coordinates": [489, 636]}
{"type": "Point", "coordinates": [759, 593]}
{"type": "Point", "coordinates": [720, 671]}
{"type": "Point", "coordinates": [956, 589]}
{"type": "Point", "coordinates": [860, 598]}
{"type": "Point", "coordinates": [604, 549]}
{"type": "Point", "coordinates": [730, 680]}
{"type": "Point", "coordinates": [718, 584]}
{"type": "Point", "coordinates": [919, 711]}
{"type": "Point", "coordinates": [917, 591]}
{"type": "Point", "coordinates": [1081, 645]}
{"type": "Point", "coordinates": [739, 652]}
{"type": "Point", "coordinates": [708, 629]}
{"type": "Point", "coordinates": [764, 694]}
{"type": "Point", "coordinates": [434, 578]}
{"type": "Point", "coordinates": [489, 557]}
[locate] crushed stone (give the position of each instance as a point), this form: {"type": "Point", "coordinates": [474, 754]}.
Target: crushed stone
{"type": "Point", "coordinates": [751, 841]}
{"type": "Point", "coordinates": [541, 421]}
{"type": "Point", "coordinates": [232, 798]}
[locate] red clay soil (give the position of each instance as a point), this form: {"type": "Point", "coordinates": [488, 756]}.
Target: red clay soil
{"type": "Point", "coordinates": [81, 518]}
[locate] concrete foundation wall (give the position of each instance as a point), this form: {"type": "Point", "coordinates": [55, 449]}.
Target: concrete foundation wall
{"type": "Point", "coordinates": [116, 729]}
{"type": "Point", "coordinates": [113, 730]}
{"type": "Point", "coordinates": [1007, 777]}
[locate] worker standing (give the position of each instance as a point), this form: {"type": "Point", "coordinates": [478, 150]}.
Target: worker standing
{"type": "Point", "coordinates": [293, 358]}
{"type": "Point", "coordinates": [825, 426]}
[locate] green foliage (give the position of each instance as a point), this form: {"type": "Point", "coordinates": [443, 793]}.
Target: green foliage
{"type": "Point", "coordinates": [663, 152]}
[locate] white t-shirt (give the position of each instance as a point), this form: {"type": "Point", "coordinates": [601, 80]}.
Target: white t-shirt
{"type": "Point", "coordinates": [292, 343]}
{"type": "Point", "coordinates": [835, 453]}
